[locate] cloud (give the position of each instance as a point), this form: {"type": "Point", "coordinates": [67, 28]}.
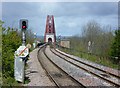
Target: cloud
{"type": "Point", "coordinates": [87, 8]}
{"type": "Point", "coordinates": [59, 9]}
{"type": "Point", "coordinates": [0, 11]}
{"type": "Point", "coordinates": [15, 9]}
{"type": "Point", "coordinates": [60, 1]}
{"type": "Point", "coordinates": [48, 8]}
{"type": "Point", "coordinates": [69, 16]}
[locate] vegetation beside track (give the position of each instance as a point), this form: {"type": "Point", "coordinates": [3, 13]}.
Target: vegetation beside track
{"type": "Point", "coordinates": [11, 40]}
{"type": "Point", "coordinates": [104, 47]}
{"type": "Point", "coordinates": [97, 59]}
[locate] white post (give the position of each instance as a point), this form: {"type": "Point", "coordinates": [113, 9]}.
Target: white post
{"type": "Point", "coordinates": [23, 38]}
{"type": "Point", "coordinates": [89, 47]}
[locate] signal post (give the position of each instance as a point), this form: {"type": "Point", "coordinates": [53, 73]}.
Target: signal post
{"type": "Point", "coordinates": [21, 54]}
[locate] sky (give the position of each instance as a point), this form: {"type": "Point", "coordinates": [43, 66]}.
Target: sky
{"type": "Point", "coordinates": [69, 16]}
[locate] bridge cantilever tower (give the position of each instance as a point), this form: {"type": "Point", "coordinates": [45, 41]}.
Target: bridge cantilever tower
{"type": "Point", "coordinates": [50, 35]}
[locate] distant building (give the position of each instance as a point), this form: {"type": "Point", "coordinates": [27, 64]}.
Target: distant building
{"type": "Point", "coordinates": [65, 43]}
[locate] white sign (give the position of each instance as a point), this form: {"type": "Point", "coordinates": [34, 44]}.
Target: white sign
{"type": "Point", "coordinates": [89, 43]}
{"type": "Point", "coordinates": [34, 45]}
{"type": "Point", "coordinates": [22, 51]}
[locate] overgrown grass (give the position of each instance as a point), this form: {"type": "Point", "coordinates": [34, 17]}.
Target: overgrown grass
{"type": "Point", "coordinates": [0, 66]}
{"type": "Point", "coordinates": [103, 61]}
{"type": "Point", "coordinates": [9, 82]}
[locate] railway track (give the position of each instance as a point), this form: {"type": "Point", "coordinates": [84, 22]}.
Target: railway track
{"type": "Point", "coordinates": [55, 73]}
{"type": "Point", "coordinates": [85, 78]}
{"type": "Point", "coordinates": [108, 77]}
{"type": "Point", "coordinates": [106, 70]}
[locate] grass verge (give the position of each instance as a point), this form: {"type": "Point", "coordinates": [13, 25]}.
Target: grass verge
{"type": "Point", "coordinates": [103, 61]}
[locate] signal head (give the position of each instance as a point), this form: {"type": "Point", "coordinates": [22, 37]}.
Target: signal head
{"type": "Point", "coordinates": [23, 24]}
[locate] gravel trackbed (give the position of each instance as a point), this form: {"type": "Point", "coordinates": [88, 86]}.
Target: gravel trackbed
{"type": "Point", "coordinates": [35, 73]}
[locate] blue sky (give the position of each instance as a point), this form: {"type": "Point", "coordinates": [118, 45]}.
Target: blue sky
{"type": "Point", "coordinates": [69, 16]}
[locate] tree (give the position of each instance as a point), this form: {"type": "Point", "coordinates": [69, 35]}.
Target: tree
{"type": "Point", "coordinates": [115, 49]}
{"type": "Point", "coordinates": [1, 51]}
{"type": "Point", "coordinates": [99, 36]}
{"type": "Point", "coordinates": [29, 36]}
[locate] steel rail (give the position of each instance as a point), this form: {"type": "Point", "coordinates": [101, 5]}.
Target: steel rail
{"type": "Point", "coordinates": [117, 76]}
{"type": "Point", "coordinates": [116, 84]}
{"type": "Point", "coordinates": [49, 75]}
{"type": "Point", "coordinates": [72, 78]}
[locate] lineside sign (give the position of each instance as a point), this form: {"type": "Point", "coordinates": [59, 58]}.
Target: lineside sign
{"type": "Point", "coordinates": [20, 55]}
{"type": "Point", "coordinates": [22, 51]}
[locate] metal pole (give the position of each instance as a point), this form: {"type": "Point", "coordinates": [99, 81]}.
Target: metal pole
{"type": "Point", "coordinates": [23, 38]}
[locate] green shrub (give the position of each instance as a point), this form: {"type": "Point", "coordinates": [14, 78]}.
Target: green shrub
{"type": "Point", "coordinates": [115, 49]}
{"type": "Point", "coordinates": [10, 42]}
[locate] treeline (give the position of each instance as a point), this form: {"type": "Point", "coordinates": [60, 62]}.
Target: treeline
{"type": "Point", "coordinates": [103, 41]}
{"type": "Point", "coordinates": [11, 40]}
{"type": "Point", "coordinates": [115, 48]}
{"type": "Point", "coordinates": [0, 52]}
